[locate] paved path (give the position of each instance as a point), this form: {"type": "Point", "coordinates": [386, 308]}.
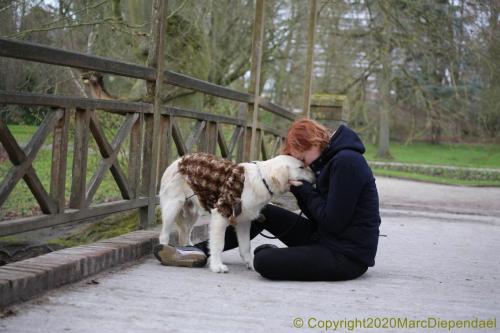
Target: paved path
{"type": "Point", "coordinates": [404, 194]}
{"type": "Point", "coordinates": [447, 268]}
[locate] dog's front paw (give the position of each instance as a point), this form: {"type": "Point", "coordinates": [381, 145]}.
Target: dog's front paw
{"type": "Point", "coordinates": [219, 268]}
{"type": "Point", "coordinates": [248, 260]}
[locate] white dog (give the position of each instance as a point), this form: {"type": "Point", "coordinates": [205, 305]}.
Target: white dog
{"type": "Point", "coordinates": [180, 203]}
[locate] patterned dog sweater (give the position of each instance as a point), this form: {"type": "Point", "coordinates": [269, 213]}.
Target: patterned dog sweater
{"type": "Point", "coordinates": [217, 182]}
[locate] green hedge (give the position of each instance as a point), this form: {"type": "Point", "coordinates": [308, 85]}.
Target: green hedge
{"type": "Point", "coordinates": [441, 171]}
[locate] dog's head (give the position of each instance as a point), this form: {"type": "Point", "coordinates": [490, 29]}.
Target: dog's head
{"type": "Point", "coordinates": [284, 168]}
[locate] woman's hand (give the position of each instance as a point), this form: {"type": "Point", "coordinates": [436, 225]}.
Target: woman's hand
{"type": "Point", "coordinates": [295, 182]}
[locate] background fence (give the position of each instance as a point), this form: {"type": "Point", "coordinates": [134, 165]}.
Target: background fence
{"type": "Point", "coordinates": [151, 131]}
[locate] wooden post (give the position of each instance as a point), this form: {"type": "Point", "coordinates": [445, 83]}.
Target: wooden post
{"type": "Point", "coordinates": [151, 143]}
{"type": "Point", "coordinates": [212, 129]}
{"type": "Point", "coordinates": [239, 143]}
{"type": "Point", "coordinates": [202, 142]}
{"type": "Point", "coordinates": [309, 61]}
{"type": "Point", "coordinates": [134, 160]}
{"type": "Point", "coordinates": [251, 148]}
{"type": "Point", "coordinates": [59, 160]}
{"type": "Point", "coordinates": [165, 153]}
{"type": "Point", "coordinates": [80, 154]}
{"type": "Point", "coordinates": [327, 109]}
{"type": "Point", "coordinates": [384, 88]}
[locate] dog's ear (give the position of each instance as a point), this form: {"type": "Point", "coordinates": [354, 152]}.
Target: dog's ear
{"type": "Point", "coordinates": [279, 178]}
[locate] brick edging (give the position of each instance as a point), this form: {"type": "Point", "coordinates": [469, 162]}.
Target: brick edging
{"type": "Point", "coordinates": [20, 281]}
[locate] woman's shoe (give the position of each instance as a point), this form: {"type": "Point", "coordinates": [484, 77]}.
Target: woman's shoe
{"type": "Point", "coordinates": [264, 246]}
{"type": "Point", "coordinates": [185, 256]}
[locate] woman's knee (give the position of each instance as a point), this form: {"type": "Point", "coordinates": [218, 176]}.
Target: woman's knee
{"type": "Point", "coordinates": [264, 264]}
{"type": "Point", "coordinates": [271, 212]}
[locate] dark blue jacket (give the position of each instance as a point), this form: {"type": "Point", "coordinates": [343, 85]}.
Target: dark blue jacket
{"type": "Point", "coordinates": [344, 205]}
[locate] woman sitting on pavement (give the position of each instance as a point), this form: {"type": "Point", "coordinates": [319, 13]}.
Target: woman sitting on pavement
{"type": "Point", "coordinates": [337, 239]}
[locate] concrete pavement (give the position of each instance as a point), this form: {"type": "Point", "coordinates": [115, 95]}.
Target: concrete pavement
{"type": "Point", "coordinates": [420, 196]}
{"type": "Point", "coordinates": [445, 268]}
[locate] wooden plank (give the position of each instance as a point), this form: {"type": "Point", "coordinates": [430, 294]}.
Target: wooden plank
{"type": "Point", "coordinates": [235, 138]}
{"type": "Point", "coordinates": [240, 148]}
{"type": "Point", "coordinates": [59, 161]}
{"type": "Point", "coordinates": [178, 140]}
{"type": "Point", "coordinates": [23, 161]}
{"type": "Point", "coordinates": [255, 73]}
{"type": "Point", "coordinates": [276, 109]}
{"type": "Point", "coordinates": [184, 113]}
{"type": "Point", "coordinates": [203, 141]}
{"type": "Point", "coordinates": [263, 148]}
{"type": "Point", "coordinates": [115, 168]}
{"type": "Point", "coordinates": [241, 144]}
{"type": "Point", "coordinates": [156, 59]}
{"type": "Point", "coordinates": [258, 142]}
{"type": "Point", "coordinates": [109, 153]}
{"type": "Point", "coordinates": [47, 205]}
{"type": "Point", "coordinates": [55, 56]}
{"type": "Point", "coordinates": [71, 103]}
{"type": "Point", "coordinates": [134, 157]}
{"type": "Point", "coordinates": [224, 151]}
{"type": "Point", "coordinates": [15, 153]}
{"type": "Point", "coordinates": [269, 129]}
{"type": "Point", "coordinates": [276, 146]}
{"type": "Point", "coordinates": [195, 135]}
{"type": "Point", "coordinates": [100, 138]}
{"type": "Point", "coordinates": [80, 152]}
{"type": "Point", "coordinates": [247, 142]}
{"type": "Point", "coordinates": [39, 222]}
{"type": "Point", "coordinates": [311, 32]}
{"type": "Point", "coordinates": [12, 178]}
{"type": "Point", "coordinates": [211, 137]}
{"type": "Point", "coordinates": [23, 98]}
{"type": "Point", "coordinates": [191, 83]}
{"type": "Point", "coordinates": [165, 146]}
{"type": "Point", "coordinates": [147, 154]}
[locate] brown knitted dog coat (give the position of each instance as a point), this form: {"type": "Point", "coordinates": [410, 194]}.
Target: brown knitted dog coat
{"type": "Point", "coordinates": [217, 182]}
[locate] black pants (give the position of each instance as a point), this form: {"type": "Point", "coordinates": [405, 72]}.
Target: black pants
{"type": "Point", "coordinates": [304, 259]}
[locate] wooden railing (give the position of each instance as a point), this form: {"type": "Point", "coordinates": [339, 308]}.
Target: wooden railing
{"type": "Point", "coordinates": [135, 187]}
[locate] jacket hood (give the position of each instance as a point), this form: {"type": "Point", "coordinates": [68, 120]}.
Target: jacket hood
{"type": "Point", "coordinates": [343, 138]}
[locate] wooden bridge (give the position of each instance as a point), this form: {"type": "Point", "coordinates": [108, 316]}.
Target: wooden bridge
{"type": "Point", "coordinates": [151, 129]}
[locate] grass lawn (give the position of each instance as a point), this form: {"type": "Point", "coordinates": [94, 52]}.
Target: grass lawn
{"type": "Point", "coordinates": [433, 179]}
{"type": "Point", "coordinates": [23, 133]}
{"type": "Point", "coordinates": [460, 155]}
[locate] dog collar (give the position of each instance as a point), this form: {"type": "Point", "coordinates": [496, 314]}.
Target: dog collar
{"type": "Point", "coordinates": [263, 180]}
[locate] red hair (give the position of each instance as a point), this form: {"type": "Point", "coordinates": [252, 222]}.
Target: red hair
{"type": "Point", "coordinates": [304, 134]}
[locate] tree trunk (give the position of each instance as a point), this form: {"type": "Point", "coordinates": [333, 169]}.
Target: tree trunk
{"type": "Point", "coordinates": [384, 92]}
{"type": "Point", "coordinates": [384, 114]}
